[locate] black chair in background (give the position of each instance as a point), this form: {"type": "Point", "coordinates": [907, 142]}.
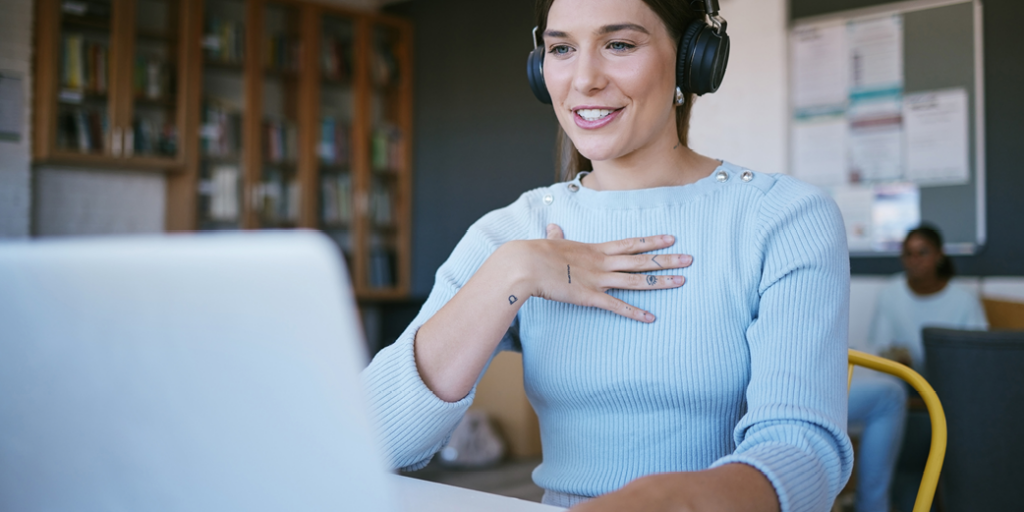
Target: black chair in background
{"type": "Point", "coordinates": [979, 377]}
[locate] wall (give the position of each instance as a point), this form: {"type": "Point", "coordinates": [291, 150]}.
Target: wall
{"type": "Point", "coordinates": [1004, 124]}
{"type": "Point", "coordinates": [15, 174]}
{"type": "Point", "coordinates": [482, 139]}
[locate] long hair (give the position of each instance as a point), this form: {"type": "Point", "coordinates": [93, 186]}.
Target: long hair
{"type": "Point", "coordinates": [945, 270]}
{"type": "Point", "coordinates": [677, 15]}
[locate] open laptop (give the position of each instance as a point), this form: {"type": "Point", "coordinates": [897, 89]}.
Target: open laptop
{"type": "Point", "coordinates": [186, 373]}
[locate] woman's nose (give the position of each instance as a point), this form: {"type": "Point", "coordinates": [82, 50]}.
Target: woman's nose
{"type": "Point", "coordinates": [589, 73]}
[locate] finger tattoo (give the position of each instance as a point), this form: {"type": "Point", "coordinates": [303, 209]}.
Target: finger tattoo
{"type": "Point", "coordinates": [512, 299]}
{"type": "Point", "coordinates": [652, 280]}
{"type": "Point", "coordinates": [568, 272]}
{"type": "Point", "coordinates": [643, 240]}
{"type": "Point", "coordinates": [655, 260]}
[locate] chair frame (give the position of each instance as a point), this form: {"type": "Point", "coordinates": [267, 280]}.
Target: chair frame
{"type": "Point", "coordinates": [937, 451]}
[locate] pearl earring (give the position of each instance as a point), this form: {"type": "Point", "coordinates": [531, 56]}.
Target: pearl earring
{"type": "Point", "coordinates": [679, 96]}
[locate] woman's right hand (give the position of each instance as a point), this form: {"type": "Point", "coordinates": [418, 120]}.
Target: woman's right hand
{"type": "Point", "coordinates": [580, 273]}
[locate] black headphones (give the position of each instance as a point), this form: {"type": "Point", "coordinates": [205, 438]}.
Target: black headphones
{"type": "Point", "coordinates": [702, 57]}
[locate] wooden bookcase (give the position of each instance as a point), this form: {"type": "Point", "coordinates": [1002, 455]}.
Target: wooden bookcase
{"type": "Point", "coordinates": [284, 114]}
{"type": "Point", "coordinates": [109, 91]}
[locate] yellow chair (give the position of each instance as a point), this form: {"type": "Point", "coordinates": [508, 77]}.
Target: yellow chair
{"type": "Point", "coordinates": [925, 493]}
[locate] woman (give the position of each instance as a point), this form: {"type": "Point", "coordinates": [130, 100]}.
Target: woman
{"type": "Point", "coordinates": [726, 393]}
{"type": "Point", "coordinates": [922, 296]}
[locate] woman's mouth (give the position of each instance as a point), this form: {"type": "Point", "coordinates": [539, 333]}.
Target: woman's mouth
{"type": "Point", "coordinates": [591, 118]}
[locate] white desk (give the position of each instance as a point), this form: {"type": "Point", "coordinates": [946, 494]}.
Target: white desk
{"type": "Point", "coordinates": [421, 496]}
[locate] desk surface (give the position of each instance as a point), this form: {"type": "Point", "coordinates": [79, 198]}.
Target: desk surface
{"type": "Point", "coordinates": [422, 496]}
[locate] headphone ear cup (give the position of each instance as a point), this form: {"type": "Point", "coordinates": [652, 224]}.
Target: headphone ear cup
{"type": "Point", "coordinates": [703, 57]}
{"type": "Point", "coordinates": [535, 74]}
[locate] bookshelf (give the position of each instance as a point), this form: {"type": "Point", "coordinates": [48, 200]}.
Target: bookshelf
{"type": "Point", "coordinates": [263, 114]}
{"type": "Point", "coordinates": [109, 88]}
{"type": "Point", "coordinates": [305, 121]}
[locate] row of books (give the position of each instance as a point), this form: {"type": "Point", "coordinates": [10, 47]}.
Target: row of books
{"type": "Point", "coordinates": [219, 194]}
{"type": "Point", "coordinates": [154, 138]}
{"type": "Point", "coordinates": [334, 142]}
{"type": "Point", "coordinates": [386, 149]}
{"type": "Point", "coordinates": [221, 130]}
{"type": "Point", "coordinates": [282, 53]}
{"type": "Point", "coordinates": [277, 199]}
{"type": "Point", "coordinates": [380, 204]}
{"type": "Point", "coordinates": [82, 129]}
{"type": "Point", "coordinates": [85, 65]}
{"type": "Point", "coordinates": [151, 79]}
{"type": "Point", "coordinates": [224, 41]}
{"type": "Point", "coordinates": [336, 198]}
{"type": "Point", "coordinates": [336, 58]}
{"type": "Point", "coordinates": [382, 268]}
{"type": "Point", "coordinates": [280, 141]}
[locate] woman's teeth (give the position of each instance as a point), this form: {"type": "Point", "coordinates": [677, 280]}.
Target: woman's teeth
{"type": "Point", "coordinates": [593, 114]}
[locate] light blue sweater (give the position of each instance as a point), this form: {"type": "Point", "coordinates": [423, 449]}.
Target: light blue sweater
{"type": "Point", "coordinates": [746, 362]}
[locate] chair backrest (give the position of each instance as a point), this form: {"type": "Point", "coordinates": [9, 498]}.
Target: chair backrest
{"type": "Point", "coordinates": [926, 492]}
{"type": "Point", "coordinates": [980, 377]}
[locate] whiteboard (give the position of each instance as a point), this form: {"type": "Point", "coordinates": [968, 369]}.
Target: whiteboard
{"type": "Point", "coordinates": [886, 113]}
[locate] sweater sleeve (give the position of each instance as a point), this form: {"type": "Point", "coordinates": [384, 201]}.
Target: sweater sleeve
{"type": "Point", "coordinates": [412, 422]}
{"type": "Point", "coordinates": [794, 429]}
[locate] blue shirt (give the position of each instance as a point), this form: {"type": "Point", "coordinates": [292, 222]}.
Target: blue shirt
{"type": "Point", "coordinates": [745, 363]}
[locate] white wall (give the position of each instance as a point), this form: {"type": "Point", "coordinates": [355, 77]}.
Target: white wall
{"type": "Point", "coordinates": [15, 174]}
{"type": "Point", "coordinates": [745, 121]}
{"type": "Point", "coordinates": [77, 202]}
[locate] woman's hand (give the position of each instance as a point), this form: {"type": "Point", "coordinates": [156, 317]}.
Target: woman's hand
{"type": "Point", "coordinates": [579, 273]}
{"type": "Point", "coordinates": [731, 487]}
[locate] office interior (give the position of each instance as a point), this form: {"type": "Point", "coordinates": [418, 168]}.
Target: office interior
{"type": "Point", "coordinates": [468, 137]}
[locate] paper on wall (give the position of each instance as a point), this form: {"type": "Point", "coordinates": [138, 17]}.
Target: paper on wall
{"type": "Point", "coordinates": [12, 106]}
{"type": "Point", "coordinates": [876, 137]}
{"type": "Point", "coordinates": [896, 210]}
{"type": "Point", "coordinates": [856, 204]}
{"type": "Point", "coordinates": [819, 66]}
{"type": "Point", "coordinates": [936, 137]}
{"type": "Point", "coordinates": [876, 54]}
{"type": "Point", "coordinates": [819, 150]}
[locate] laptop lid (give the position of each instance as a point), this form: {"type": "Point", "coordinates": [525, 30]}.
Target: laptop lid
{"type": "Point", "coordinates": [191, 372]}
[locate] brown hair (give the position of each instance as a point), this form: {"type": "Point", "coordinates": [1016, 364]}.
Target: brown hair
{"type": "Point", "coordinates": [677, 15]}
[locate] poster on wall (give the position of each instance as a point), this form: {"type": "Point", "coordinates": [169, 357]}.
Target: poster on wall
{"type": "Point", "coordinates": [936, 126]}
{"type": "Point", "coordinates": [12, 106]}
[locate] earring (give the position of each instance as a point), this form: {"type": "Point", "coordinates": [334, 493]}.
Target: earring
{"type": "Point", "coordinates": [679, 96]}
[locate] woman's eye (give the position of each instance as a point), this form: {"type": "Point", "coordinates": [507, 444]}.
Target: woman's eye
{"type": "Point", "coordinates": [619, 46]}
{"type": "Point", "coordinates": [559, 50]}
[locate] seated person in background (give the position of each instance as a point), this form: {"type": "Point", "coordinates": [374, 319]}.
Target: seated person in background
{"type": "Point", "coordinates": [922, 296]}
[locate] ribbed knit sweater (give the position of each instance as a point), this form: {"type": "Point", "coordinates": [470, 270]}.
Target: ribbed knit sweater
{"type": "Point", "coordinates": [745, 363]}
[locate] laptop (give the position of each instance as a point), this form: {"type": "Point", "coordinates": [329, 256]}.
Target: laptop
{"type": "Point", "coordinates": [187, 372]}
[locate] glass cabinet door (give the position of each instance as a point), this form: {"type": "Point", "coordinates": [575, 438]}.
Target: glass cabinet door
{"type": "Point", "coordinates": [153, 130]}
{"type": "Point", "coordinates": [221, 115]}
{"type": "Point", "coordinates": [386, 155]}
{"type": "Point", "coordinates": [84, 77]}
{"type": "Point", "coordinates": [277, 193]}
{"type": "Point", "coordinates": [334, 146]}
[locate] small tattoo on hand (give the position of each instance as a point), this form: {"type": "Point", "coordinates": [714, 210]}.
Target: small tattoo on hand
{"type": "Point", "coordinates": [643, 240]}
{"type": "Point", "coordinates": [512, 299]}
{"type": "Point", "coordinates": [655, 260]}
{"type": "Point", "coordinates": [652, 280]}
{"type": "Point", "coordinates": [568, 272]}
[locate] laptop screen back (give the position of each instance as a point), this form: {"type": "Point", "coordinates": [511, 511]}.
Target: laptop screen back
{"type": "Point", "coordinates": [191, 373]}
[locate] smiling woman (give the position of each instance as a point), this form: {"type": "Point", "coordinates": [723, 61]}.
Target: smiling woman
{"type": "Point", "coordinates": [726, 393]}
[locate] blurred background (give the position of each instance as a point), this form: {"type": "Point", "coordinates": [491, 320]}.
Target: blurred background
{"type": "Point", "coordinates": [391, 126]}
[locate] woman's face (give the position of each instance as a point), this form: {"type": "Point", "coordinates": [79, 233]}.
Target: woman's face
{"type": "Point", "coordinates": [920, 258]}
{"type": "Point", "coordinates": [610, 69]}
